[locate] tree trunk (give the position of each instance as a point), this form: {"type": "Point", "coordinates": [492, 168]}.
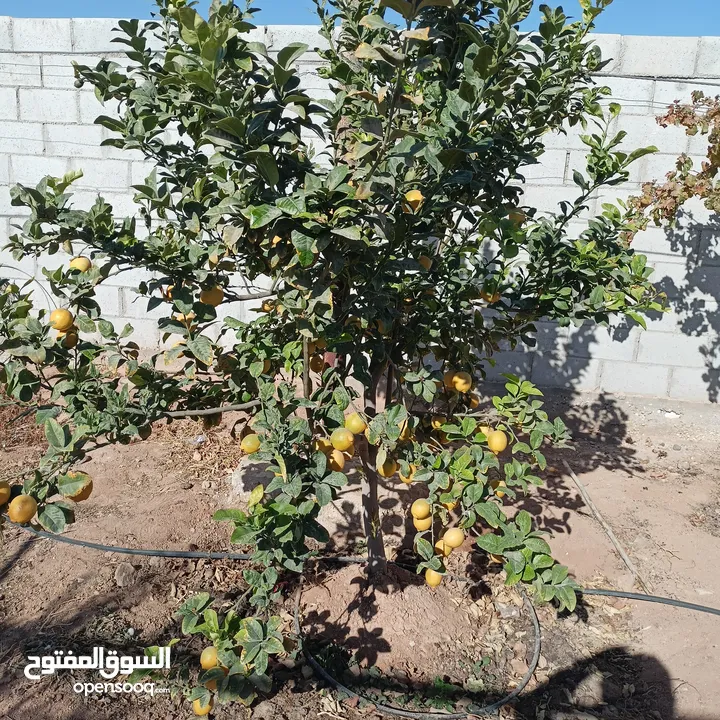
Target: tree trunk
{"type": "Point", "coordinates": [377, 562]}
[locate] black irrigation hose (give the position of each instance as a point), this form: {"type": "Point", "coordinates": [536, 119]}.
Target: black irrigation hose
{"type": "Point", "coordinates": [319, 670]}
{"type": "Point", "coordinates": [651, 598]}
{"type": "Point", "coordinates": [397, 712]}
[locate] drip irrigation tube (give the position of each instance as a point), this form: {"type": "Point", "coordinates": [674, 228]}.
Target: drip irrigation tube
{"type": "Point", "coordinates": [320, 671]}
{"type": "Point", "coordinates": [397, 712]}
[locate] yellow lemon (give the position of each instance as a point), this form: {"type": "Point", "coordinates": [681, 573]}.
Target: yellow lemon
{"type": "Point", "coordinates": [355, 424]}
{"type": "Point", "coordinates": [409, 478]}
{"type": "Point", "coordinates": [342, 439]}
{"type": "Point", "coordinates": [208, 658]}
{"type": "Point", "coordinates": [250, 444]}
{"type": "Point", "coordinates": [433, 578]}
{"type": "Point", "coordinates": [4, 491]}
{"type": "Point", "coordinates": [420, 509]}
{"type": "Point", "coordinates": [388, 468]}
{"type": "Point", "coordinates": [61, 319]}
{"type": "Point", "coordinates": [81, 264]}
{"type": "Point", "coordinates": [422, 525]}
{"type": "Point", "coordinates": [336, 461]}
{"type": "Point", "coordinates": [425, 261]}
{"type": "Point", "coordinates": [322, 445]}
{"type": "Point", "coordinates": [497, 441]}
{"type": "Point", "coordinates": [413, 200]}
{"type": "Point", "coordinates": [454, 537]}
{"type": "Point", "coordinates": [22, 509]}
{"type": "Point", "coordinates": [214, 296]}
{"type": "Point", "coordinates": [442, 548]}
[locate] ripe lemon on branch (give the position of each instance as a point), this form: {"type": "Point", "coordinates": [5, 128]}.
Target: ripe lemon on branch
{"type": "Point", "coordinates": [22, 509]}
{"type": "Point", "coordinates": [61, 319]}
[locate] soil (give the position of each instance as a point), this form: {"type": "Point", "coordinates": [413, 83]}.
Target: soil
{"type": "Point", "coordinates": [653, 471]}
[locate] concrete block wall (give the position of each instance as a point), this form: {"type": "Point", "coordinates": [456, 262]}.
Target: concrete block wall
{"type": "Point", "coordinates": [46, 127]}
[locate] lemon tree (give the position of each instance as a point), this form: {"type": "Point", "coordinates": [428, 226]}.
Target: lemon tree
{"type": "Point", "coordinates": [381, 238]}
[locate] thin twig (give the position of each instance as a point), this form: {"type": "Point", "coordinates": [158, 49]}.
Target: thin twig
{"type": "Point", "coordinates": [623, 555]}
{"type": "Point", "coordinates": [211, 411]}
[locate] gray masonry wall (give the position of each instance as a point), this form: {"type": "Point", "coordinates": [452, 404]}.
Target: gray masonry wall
{"type": "Point", "coordinates": [46, 127]}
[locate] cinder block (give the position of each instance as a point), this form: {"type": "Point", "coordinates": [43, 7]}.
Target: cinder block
{"type": "Point", "coordinates": [668, 91]}
{"type": "Point", "coordinates": [145, 332]}
{"type": "Point", "coordinates": [109, 300]}
{"type": "Point", "coordinates": [672, 245]}
{"type": "Point", "coordinates": [57, 70]}
{"type": "Point", "coordinates": [550, 170]}
{"type": "Point", "coordinates": [670, 278]}
{"type": "Point", "coordinates": [550, 337]}
{"type": "Point", "coordinates": [709, 251]}
{"type": "Point", "coordinates": [8, 104]}
{"type": "Point", "coordinates": [634, 378]}
{"type": "Point", "coordinates": [546, 198]}
{"type": "Point", "coordinates": [52, 106]}
{"type": "Point", "coordinates": [94, 34]}
{"type": "Point", "coordinates": [21, 138]}
{"type": "Point", "coordinates": [76, 141]}
{"type": "Point", "coordinates": [91, 108]}
{"type": "Point", "coordinates": [102, 174]}
{"type": "Point", "coordinates": [20, 70]}
{"type": "Point", "coordinates": [671, 349]}
{"type": "Point", "coordinates": [4, 169]}
{"type": "Point", "coordinates": [139, 172]}
{"type": "Point", "coordinates": [611, 49]}
{"type": "Point", "coordinates": [634, 94]}
{"type": "Point", "coordinates": [517, 363]}
{"type": "Point", "coordinates": [643, 131]}
{"type": "Point", "coordinates": [31, 169]}
{"type": "Point", "coordinates": [6, 209]}
{"type": "Point", "coordinates": [591, 341]}
{"type": "Point", "coordinates": [130, 279]}
{"type": "Point", "coordinates": [280, 36]}
{"type": "Point", "coordinates": [42, 35]}
{"type": "Point", "coordinates": [708, 61]}
{"type": "Point", "coordinates": [694, 384]}
{"type": "Point", "coordinates": [136, 306]}
{"type": "Point", "coordinates": [9, 266]}
{"type": "Point", "coordinates": [5, 33]}
{"type": "Point", "coordinates": [654, 57]}
{"type": "Point", "coordinates": [565, 372]}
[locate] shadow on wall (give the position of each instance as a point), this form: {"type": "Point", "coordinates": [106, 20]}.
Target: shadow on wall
{"type": "Point", "coordinates": [695, 297]}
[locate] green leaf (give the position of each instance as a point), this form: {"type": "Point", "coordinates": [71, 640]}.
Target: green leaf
{"type": "Point", "coordinates": [69, 485]}
{"type": "Point", "coordinates": [290, 53]}
{"type": "Point", "coordinates": [305, 246]}
{"type": "Point", "coordinates": [55, 434]}
{"type": "Point", "coordinates": [403, 7]}
{"type": "Point", "coordinates": [537, 545]}
{"type": "Point", "coordinates": [491, 543]}
{"type": "Point", "coordinates": [202, 349]}
{"type": "Point", "coordinates": [375, 22]}
{"type": "Point", "coordinates": [268, 168]}
{"type": "Point", "coordinates": [261, 215]}
{"type": "Point", "coordinates": [52, 518]}
{"type": "Point", "coordinates": [524, 522]}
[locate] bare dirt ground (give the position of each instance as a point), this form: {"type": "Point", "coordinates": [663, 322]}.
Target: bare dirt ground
{"type": "Point", "coordinates": [652, 468]}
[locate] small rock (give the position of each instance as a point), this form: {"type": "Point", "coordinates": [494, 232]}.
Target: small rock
{"type": "Point", "coordinates": [206, 485]}
{"type": "Point", "coordinates": [186, 486]}
{"type": "Point", "coordinates": [197, 456]}
{"type": "Point", "coordinates": [542, 662]}
{"type": "Point", "coordinates": [124, 575]}
{"type": "Point", "coordinates": [518, 666]}
{"type": "Point", "coordinates": [683, 465]}
{"type": "Point", "coordinates": [677, 447]}
{"type": "Point", "coordinates": [506, 610]}
{"type": "Point", "coordinates": [307, 671]}
{"type": "Point", "coordinates": [130, 632]}
{"type": "Point", "coordinates": [200, 440]}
